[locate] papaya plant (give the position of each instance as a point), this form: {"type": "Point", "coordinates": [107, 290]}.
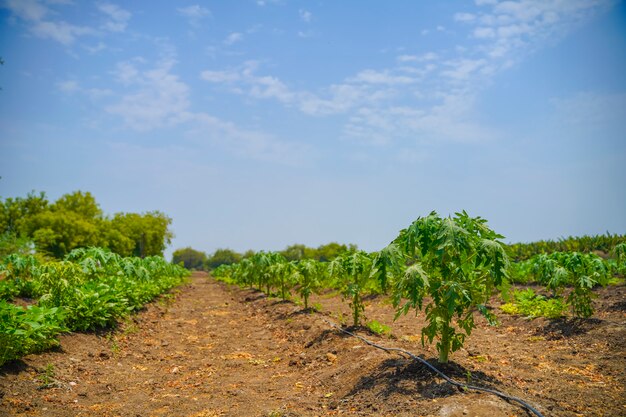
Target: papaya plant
{"type": "Point", "coordinates": [284, 276]}
{"type": "Point", "coordinates": [309, 273]}
{"type": "Point", "coordinates": [575, 270]}
{"type": "Point", "coordinates": [353, 271]}
{"type": "Point", "coordinates": [386, 265]}
{"type": "Point", "coordinates": [454, 265]}
{"type": "Point", "coordinates": [619, 252]}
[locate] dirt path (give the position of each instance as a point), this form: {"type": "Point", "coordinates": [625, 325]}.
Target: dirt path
{"type": "Point", "coordinates": [214, 350]}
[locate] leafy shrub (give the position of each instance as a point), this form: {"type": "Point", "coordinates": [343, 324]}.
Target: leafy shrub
{"type": "Point", "coordinates": [529, 304]}
{"type": "Point", "coordinates": [27, 330]}
{"type": "Point", "coordinates": [91, 288]}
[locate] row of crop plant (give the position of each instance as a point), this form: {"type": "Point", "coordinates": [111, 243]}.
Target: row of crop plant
{"type": "Point", "coordinates": [447, 267]}
{"type": "Point", "coordinates": [91, 288]}
{"type": "Point", "coordinates": [603, 244]}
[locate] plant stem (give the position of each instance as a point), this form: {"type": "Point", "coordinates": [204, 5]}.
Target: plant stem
{"type": "Point", "coordinates": [445, 344]}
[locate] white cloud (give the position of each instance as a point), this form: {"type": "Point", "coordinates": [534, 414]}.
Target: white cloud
{"type": "Point", "coordinates": [342, 97]}
{"type": "Point", "coordinates": [463, 69]}
{"type": "Point", "coordinates": [27, 9]}
{"type": "Point", "coordinates": [37, 17]}
{"type": "Point", "coordinates": [484, 33]}
{"type": "Point", "coordinates": [194, 13]}
{"type": "Point", "coordinates": [429, 95]}
{"type": "Point", "coordinates": [220, 76]}
{"type": "Point", "coordinates": [305, 15]}
{"type": "Point", "coordinates": [247, 143]}
{"type": "Point", "coordinates": [271, 87]}
{"type": "Point", "coordinates": [95, 49]}
{"type": "Point", "coordinates": [450, 120]}
{"type": "Point", "coordinates": [233, 38]}
{"type": "Point", "coordinates": [69, 86]}
{"type": "Point", "coordinates": [126, 73]}
{"type": "Point", "coordinates": [307, 34]}
{"type": "Point", "coordinates": [160, 98]}
{"type": "Point", "coordinates": [407, 58]}
{"type": "Point", "coordinates": [118, 17]}
{"type": "Point", "coordinates": [507, 31]}
{"type": "Point", "coordinates": [266, 2]}
{"type": "Point", "coordinates": [464, 17]}
{"type": "Point", "coordinates": [380, 77]}
{"type": "Point", "coordinates": [61, 32]}
{"type": "Point", "coordinates": [429, 56]}
{"type": "Point", "coordinates": [72, 87]}
{"type": "Point", "coordinates": [338, 98]}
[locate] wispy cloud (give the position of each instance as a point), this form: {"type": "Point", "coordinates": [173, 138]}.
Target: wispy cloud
{"type": "Point", "coordinates": [194, 13]}
{"type": "Point", "coordinates": [158, 98]}
{"type": "Point", "coordinates": [233, 38]}
{"type": "Point", "coordinates": [370, 76]}
{"type": "Point", "coordinates": [267, 2]}
{"type": "Point", "coordinates": [68, 87]}
{"type": "Point", "coordinates": [71, 87]}
{"type": "Point", "coordinates": [305, 15]}
{"type": "Point", "coordinates": [511, 29]}
{"type": "Point", "coordinates": [117, 17]}
{"type": "Point", "coordinates": [41, 20]}
{"type": "Point", "coordinates": [337, 98]}
{"type": "Point", "coordinates": [436, 89]}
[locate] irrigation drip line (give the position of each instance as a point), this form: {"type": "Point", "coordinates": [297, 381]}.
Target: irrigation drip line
{"type": "Point", "coordinates": [438, 372]}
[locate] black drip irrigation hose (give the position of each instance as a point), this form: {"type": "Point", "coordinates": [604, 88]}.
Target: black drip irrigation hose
{"type": "Point", "coordinates": [438, 372]}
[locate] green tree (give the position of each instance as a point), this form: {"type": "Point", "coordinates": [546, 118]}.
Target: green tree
{"type": "Point", "coordinates": [191, 258]}
{"type": "Point", "coordinates": [223, 257]}
{"type": "Point", "coordinates": [56, 233]}
{"type": "Point", "coordinates": [16, 212]}
{"type": "Point", "coordinates": [329, 251]}
{"type": "Point", "coordinates": [75, 220]}
{"type": "Point", "coordinates": [296, 252]}
{"type": "Point", "coordinates": [71, 222]}
{"type": "Point", "coordinates": [149, 232]}
{"type": "Point", "coordinates": [82, 204]}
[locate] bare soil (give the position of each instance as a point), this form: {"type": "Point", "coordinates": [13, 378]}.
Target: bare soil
{"type": "Point", "coordinates": [216, 350]}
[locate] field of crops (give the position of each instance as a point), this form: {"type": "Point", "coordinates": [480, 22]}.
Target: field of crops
{"type": "Point", "coordinates": [261, 336]}
{"type": "Point", "coordinates": [90, 289]}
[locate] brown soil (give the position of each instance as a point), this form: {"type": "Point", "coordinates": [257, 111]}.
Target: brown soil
{"type": "Point", "coordinates": [215, 350]}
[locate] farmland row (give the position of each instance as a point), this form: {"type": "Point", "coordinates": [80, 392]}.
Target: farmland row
{"type": "Point", "coordinates": [91, 288]}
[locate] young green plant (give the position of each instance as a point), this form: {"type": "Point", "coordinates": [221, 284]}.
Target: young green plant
{"type": "Point", "coordinates": [455, 263]}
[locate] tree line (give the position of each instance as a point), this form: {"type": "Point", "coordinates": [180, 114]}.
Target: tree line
{"type": "Point", "coordinates": [198, 260]}
{"type": "Point", "coordinates": [76, 220]}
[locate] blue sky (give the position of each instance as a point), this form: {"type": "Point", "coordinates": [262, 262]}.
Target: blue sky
{"type": "Point", "coordinates": [259, 124]}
